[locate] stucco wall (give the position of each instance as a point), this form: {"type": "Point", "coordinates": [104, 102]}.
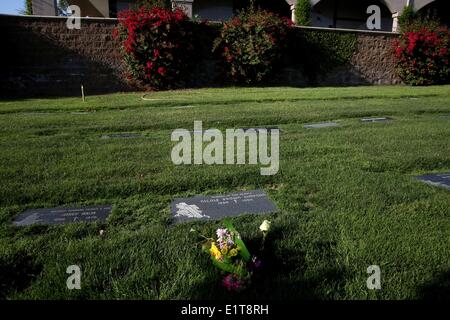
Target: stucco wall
{"type": "Point", "coordinates": [349, 14]}
{"type": "Point", "coordinates": [92, 8]}
{"type": "Point", "coordinates": [41, 57]}
{"type": "Point", "coordinates": [215, 10]}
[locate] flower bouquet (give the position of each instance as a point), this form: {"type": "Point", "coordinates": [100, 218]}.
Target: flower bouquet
{"type": "Point", "coordinates": [229, 254]}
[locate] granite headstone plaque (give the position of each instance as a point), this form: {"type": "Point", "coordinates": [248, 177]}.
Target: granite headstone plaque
{"type": "Point", "coordinates": [320, 125]}
{"type": "Point", "coordinates": [220, 206]}
{"type": "Point", "coordinates": [258, 129]}
{"type": "Point", "coordinates": [39, 113]}
{"type": "Point", "coordinates": [438, 179]}
{"type": "Point", "coordinates": [48, 216]}
{"type": "Point", "coordinates": [379, 119]}
{"type": "Point", "coordinates": [184, 107]}
{"type": "Point", "coordinates": [121, 135]}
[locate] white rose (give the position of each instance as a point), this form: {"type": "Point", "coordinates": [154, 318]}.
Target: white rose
{"type": "Point", "coordinates": [265, 226]}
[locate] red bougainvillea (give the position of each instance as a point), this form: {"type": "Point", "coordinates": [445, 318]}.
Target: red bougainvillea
{"type": "Point", "coordinates": [251, 44]}
{"type": "Point", "coordinates": [156, 45]}
{"type": "Point", "coordinates": [423, 56]}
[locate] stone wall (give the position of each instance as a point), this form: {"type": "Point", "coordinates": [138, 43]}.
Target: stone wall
{"type": "Point", "coordinates": [372, 62]}
{"type": "Point", "coordinates": [42, 57]}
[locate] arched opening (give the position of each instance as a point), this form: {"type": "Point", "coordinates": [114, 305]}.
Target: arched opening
{"type": "Point", "coordinates": [348, 14]}
{"type": "Point", "coordinates": [439, 9]}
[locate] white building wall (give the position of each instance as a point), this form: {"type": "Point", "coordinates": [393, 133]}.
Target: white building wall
{"type": "Point", "coordinates": [349, 15]}
{"type": "Point", "coordinates": [215, 10]}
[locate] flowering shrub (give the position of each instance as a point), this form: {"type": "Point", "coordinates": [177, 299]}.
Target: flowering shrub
{"type": "Point", "coordinates": [156, 45]}
{"type": "Point", "coordinates": [423, 56]}
{"type": "Point", "coordinates": [251, 43]}
{"type": "Point", "coordinates": [229, 254]}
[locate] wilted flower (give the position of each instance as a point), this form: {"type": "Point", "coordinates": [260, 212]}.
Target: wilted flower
{"type": "Point", "coordinates": [265, 226]}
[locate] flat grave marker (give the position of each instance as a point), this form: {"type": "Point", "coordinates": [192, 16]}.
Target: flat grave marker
{"type": "Point", "coordinates": [39, 113]}
{"type": "Point", "coordinates": [51, 216]}
{"type": "Point", "coordinates": [80, 112]}
{"type": "Point", "coordinates": [376, 119]}
{"type": "Point", "coordinates": [221, 206]}
{"type": "Point", "coordinates": [121, 135]}
{"type": "Point", "coordinates": [184, 107]}
{"type": "Point", "coordinates": [320, 125]}
{"type": "Point", "coordinates": [259, 129]}
{"type": "Point", "coordinates": [436, 179]}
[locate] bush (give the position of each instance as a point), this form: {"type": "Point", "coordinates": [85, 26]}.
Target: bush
{"type": "Point", "coordinates": [410, 20]}
{"type": "Point", "coordinates": [156, 45]}
{"type": "Point", "coordinates": [251, 44]}
{"type": "Point", "coordinates": [407, 17]}
{"type": "Point", "coordinates": [303, 13]}
{"type": "Point", "coordinates": [150, 4]}
{"type": "Point", "coordinates": [423, 56]}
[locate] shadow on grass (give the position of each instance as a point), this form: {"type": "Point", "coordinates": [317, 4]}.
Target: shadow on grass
{"type": "Point", "coordinates": [438, 289]}
{"type": "Point", "coordinates": [54, 61]}
{"type": "Point", "coordinates": [281, 277]}
{"type": "Point", "coordinates": [17, 271]}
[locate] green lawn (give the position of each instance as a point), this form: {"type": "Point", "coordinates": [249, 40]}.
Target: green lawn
{"type": "Point", "coordinates": [346, 195]}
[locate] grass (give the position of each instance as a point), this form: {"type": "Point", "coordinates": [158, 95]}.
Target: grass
{"type": "Point", "coordinates": [346, 195]}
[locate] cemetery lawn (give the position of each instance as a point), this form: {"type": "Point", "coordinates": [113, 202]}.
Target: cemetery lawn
{"type": "Point", "coordinates": [346, 195]}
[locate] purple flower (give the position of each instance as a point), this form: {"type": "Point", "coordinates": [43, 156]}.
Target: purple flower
{"type": "Point", "coordinates": [221, 233]}
{"type": "Point", "coordinates": [221, 244]}
{"type": "Point", "coordinates": [256, 263]}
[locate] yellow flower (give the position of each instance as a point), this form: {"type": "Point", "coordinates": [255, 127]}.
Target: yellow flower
{"type": "Point", "coordinates": [215, 252]}
{"type": "Point", "coordinates": [224, 250]}
{"type": "Point", "coordinates": [233, 252]}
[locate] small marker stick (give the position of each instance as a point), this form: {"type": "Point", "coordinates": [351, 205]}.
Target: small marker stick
{"type": "Point", "coordinates": [82, 93]}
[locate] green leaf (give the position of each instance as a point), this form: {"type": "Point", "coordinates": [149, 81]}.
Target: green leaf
{"type": "Point", "coordinates": [243, 249]}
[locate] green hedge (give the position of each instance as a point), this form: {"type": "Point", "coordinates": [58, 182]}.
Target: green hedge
{"type": "Point", "coordinates": [318, 52]}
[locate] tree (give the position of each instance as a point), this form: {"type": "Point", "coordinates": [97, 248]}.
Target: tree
{"type": "Point", "coordinates": [411, 20]}
{"type": "Point", "coordinates": [154, 3]}
{"type": "Point", "coordinates": [63, 7]}
{"type": "Point", "coordinates": [407, 17]}
{"type": "Point", "coordinates": [303, 12]}
{"type": "Point", "coordinates": [28, 8]}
